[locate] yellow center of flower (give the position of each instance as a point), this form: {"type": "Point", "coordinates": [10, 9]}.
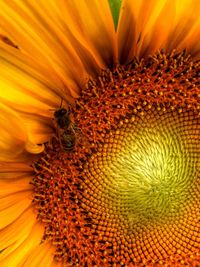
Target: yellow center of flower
{"type": "Point", "coordinates": [144, 170]}
{"type": "Point", "coordinates": [127, 194]}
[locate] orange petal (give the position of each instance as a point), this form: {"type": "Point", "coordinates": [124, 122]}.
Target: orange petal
{"type": "Point", "coordinates": [147, 26]}
{"type": "Point", "coordinates": [29, 25]}
{"type": "Point", "coordinates": [41, 256]}
{"type": "Point", "coordinates": [57, 264]}
{"type": "Point", "coordinates": [32, 72]}
{"type": "Point", "coordinates": [156, 33]}
{"type": "Point", "coordinates": [39, 128]}
{"type": "Point", "coordinates": [14, 186]}
{"type": "Point", "coordinates": [15, 169]}
{"type": "Point", "coordinates": [14, 141]}
{"type": "Point", "coordinates": [15, 233]}
{"type": "Point", "coordinates": [13, 180]}
{"type": "Point", "coordinates": [186, 30]}
{"type": "Point", "coordinates": [29, 94]}
{"type": "Point", "coordinates": [13, 134]}
{"type": "Point", "coordinates": [19, 239]}
{"type": "Point", "coordinates": [136, 19]}
{"type": "Point", "coordinates": [7, 41]}
{"type": "Point", "coordinates": [20, 91]}
{"type": "Point", "coordinates": [126, 30]}
{"type": "Point", "coordinates": [12, 206]}
{"type": "Point", "coordinates": [90, 24]}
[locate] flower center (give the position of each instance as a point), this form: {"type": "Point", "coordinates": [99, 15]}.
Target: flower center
{"type": "Point", "coordinates": [127, 193]}
{"type": "Point", "coordinates": [144, 170]}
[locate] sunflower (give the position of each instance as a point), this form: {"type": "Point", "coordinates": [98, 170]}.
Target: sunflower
{"type": "Point", "coordinates": [100, 127]}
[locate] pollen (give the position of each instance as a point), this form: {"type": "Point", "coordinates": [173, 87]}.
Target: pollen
{"type": "Point", "coordinates": [128, 193]}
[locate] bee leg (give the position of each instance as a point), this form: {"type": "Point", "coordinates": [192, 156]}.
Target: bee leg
{"type": "Point", "coordinates": [54, 138]}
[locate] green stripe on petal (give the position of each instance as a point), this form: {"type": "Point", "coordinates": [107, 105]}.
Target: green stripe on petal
{"type": "Point", "coordinates": [115, 8]}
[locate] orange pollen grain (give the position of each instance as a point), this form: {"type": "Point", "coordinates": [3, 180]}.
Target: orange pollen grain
{"type": "Point", "coordinates": [146, 112]}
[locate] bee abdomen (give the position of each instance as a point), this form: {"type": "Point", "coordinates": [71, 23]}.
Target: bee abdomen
{"type": "Point", "coordinates": [68, 140]}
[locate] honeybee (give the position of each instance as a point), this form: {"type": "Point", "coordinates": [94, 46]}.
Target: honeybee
{"type": "Point", "coordinates": [68, 140]}
{"type": "Point", "coordinates": [66, 129]}
{"type": "Point", "coordinates": [62, 117]}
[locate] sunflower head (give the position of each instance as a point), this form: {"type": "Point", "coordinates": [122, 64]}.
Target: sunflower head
{"type": "Point", "coordinates": [100, 160]}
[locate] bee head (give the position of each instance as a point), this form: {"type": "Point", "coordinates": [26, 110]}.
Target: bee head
{"type": "Point", "coordinates": [60, 112]}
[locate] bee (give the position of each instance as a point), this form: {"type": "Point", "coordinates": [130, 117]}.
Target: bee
{"type": "Point", "coordinates": [62, 118]}
{"type": "Point", "coordinates": [68, 140]}
{"type": "Point", "coordinates": [66, 129]}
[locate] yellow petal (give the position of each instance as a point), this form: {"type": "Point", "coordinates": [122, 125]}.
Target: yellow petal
{"type": "Point", "coordinates": [14, 140]}
{"type": "Point", "coordinates": [33, 148]}
{"type": "Point", "coordinates": [36, 33]}
{"type": "Point", "coordinates": [22, 183]}
{"type": "Point", "coordinates": [148, 26]}
{"type": "Point", "coordinates": [14, 186]}
{"type": "Point", "coordinates": [90, 24]}
{"type": "Point", "coordinates": [39, 128]}
{"type": "Point", "coordinates": [177, 27]}
{"type": "Point", "coordinates": [15, 233]}
{"type": "Point", "coordinates": [51, 86]}
{"type": "Point", "coordinates": [15, 169]}
{"type": "Point", "coordinates": [12, 206]}
{"type": "Point", "coordinates": [14, 178]}
{"type": "Point", "coordinates": [136, 18]}
{"type": "Point", "coordinates": [156, 33]}
{"type": "Point", "coordinates": [6, 40]}
{"type": "Point", "coordinates": [13, 134]}
{"type": "Point", "coordinates": [41, 256]}
{"type": "Point", "coordinates": [20, 239]}
{"type": "Point", "coordinates": [29, 93]}
{"type": "Point", "coordinates": [186, 30]}
{"type": "Point", "coordinates": [126, 30]}
{"type": "Point", "coordinates": [56, 264]}
{"type": "Point", "coordinates": [28, 96]}
{"type": "Point", "coordinates": [26, 84]}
